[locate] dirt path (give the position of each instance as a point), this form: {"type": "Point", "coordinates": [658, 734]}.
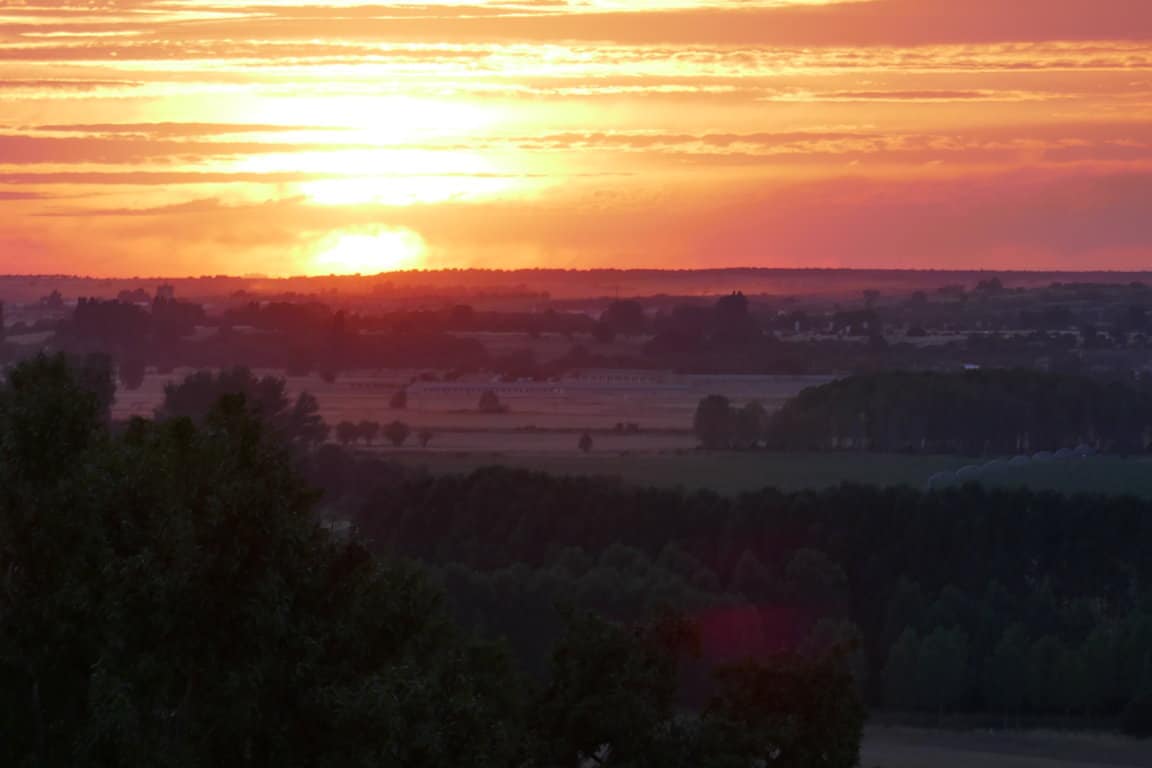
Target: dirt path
{"type": "Point", "coordinates": [913, 748]}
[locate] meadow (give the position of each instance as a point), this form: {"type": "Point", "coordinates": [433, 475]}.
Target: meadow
{"type": "Point", "coordinates": [722, 472]}
{"type": "Point", "coordinates": [540, 431]}
{"type": "Point", "coordinates": [737, 472]}
{"type": "Point", "coordinates": [667, 404]}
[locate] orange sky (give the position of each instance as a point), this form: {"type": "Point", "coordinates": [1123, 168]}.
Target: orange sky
{"type": "Point", "coordinates": [181, 137]}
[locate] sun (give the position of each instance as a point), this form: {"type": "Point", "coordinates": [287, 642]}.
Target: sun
{"type": "Point", "coordinates": [369, 252]}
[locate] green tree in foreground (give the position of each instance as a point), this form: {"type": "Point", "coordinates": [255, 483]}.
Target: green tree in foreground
{"type": "Point", "coordinates": [787, 711]}
{"type": "Point", "coordinates": [612, 694]}
{"type": "Point", "coordinates": [170, 600]}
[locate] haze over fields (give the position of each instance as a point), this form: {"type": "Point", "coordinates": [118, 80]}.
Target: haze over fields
{"type": "Point", "coordinates": [295, 137]}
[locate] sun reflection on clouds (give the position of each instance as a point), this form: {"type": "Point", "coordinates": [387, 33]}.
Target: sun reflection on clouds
{"type": "Point", "coordinates": [389, 176]}
{"type": "Point", "coordinates": [403, 190]}
{"type": "Point", "coordinates": [374, 118]}
{"type": "Point", "coordinates": [388, 151]}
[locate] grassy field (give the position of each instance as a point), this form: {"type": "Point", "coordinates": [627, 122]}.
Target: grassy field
{"type": "Point", "coordinates": [357, 395]}
{"type": "Point", "coordinates": [736, 472]}
{"type": "Point", "coordinates": [724, 472]}
{"type": "Point", "coordinates": [913, 748]}
{"type": "Point", "coordinates": [541, 433]}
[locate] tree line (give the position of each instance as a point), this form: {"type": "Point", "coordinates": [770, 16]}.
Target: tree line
{"type": "Point", "coordinates": [1005, 605]}
{"type": "Point", "coordinates": [979, 412]}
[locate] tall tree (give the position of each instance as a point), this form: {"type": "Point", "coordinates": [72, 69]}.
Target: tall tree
{"type": "Point", "coordinates": [397, 433]}
{"type": "Point", "coordinates": [490, 403]}
{"type": "Point", "coordinates": [369, 431]}
{"type": "Point", "coordinates": [170, 599]}
{"type": "Point", "coordinates": [786, 711]}
{"type": "Point", "coordinates": [295, 420]}
{"type": "Point", "coordinates": [714, 422]}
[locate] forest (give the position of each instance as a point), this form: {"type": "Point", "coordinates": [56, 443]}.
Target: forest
{"type": "Point", "coordinates": [172, 598]}
{"type": "Point", "coordinates": [1009, 607]}
{"type": "Point", "coordinates": [979, 412]}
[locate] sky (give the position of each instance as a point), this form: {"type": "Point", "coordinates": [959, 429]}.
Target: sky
{"type": "Point", "coordinates": [287, 137]}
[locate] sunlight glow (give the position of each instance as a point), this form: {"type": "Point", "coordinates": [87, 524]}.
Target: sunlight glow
{"type": "Point", "coordinates": [390, 176]}
{"type": "Point", "coordinates": [402, 190]}
{"type": "Point", "coordinates": [368, 252]}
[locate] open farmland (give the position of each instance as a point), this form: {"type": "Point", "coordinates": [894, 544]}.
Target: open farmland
{"type": "Point", "coordinates": [652, 400]}
{"type": "Point", "coordinates": [544, 420]}
{"type": "Point", "coordinates": [723, 472]}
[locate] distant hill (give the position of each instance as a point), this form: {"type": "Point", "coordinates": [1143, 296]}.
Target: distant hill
{"type": "Point", "coordinates": [560, 284]}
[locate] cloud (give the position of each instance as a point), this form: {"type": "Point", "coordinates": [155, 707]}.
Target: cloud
{"type": "Point", "coordinates": [64, 85]}
{"type": "Point", "coordinates": [678, 133]}
{"type": "Point", "coordinates": [28, 150]}
{"type": "Point", "coordinates": [1025, 219]}
{"type": "Point", "coordinates": [880, 22]}
{"type": "Point", "coordinates": [20, 195]}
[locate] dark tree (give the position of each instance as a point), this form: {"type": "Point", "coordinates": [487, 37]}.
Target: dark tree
{"type": "Point", "coordinates": [397, 433]}
{"type": "Point", "coordinates": [604, 333]}
{"type": "Point", "coordinates": [369, 431]}
{"type": "Point", "coordinates": [295, 420]}
{"type": "Point", "coordinates": [347, 432]}
{"type": "Point", "coordinates": [95, 373]}
{"type": "Point", "coordinates": [174, 601]}
{"type": "Point", "coordinates": [788, 711]}
{"type": "Point", "coordinates": [750, 423]}
{"type": "Point", "coordinates": [734, 323]}
{"type": "Point", "coordinates": [611, 694]}
{"type": "Point", "coordinates": [714, 423]}
{"type": "Point", "coordinates": [399, 399]}
{"type": "Point", "coordinates": [624, 317]}
{"type": "Point", "coordinates": [490, 403]}
{"type": "Point", "coordinates": [131, 372]}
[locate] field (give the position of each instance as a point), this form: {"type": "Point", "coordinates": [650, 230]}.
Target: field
{"type": "Point", "coordinates": [723, 472]}
{"type": "Point", "coordinates": [911, 748]}
{"type": "Point", "coordinates": [736, 472]}
{"type": "Point", "coordinates": [658, 402]}
{"type": "Point", "coordinates": [541, 428]}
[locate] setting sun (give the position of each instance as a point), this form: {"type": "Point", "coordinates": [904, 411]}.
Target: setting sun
{"type": "Point", "coordinates": [368, 253]}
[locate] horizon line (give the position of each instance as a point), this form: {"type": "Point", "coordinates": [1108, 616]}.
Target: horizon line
{"type": "Point", "coordinates": [565, 270]}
